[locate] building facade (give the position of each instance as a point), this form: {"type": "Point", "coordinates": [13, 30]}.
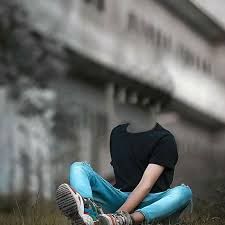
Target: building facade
{"type": "Point", "coordinates": [126, 59]}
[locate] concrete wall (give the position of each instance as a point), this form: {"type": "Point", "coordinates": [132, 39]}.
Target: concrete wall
{"type": "Point", "coordinates": [80, 129]}
{"type": "Point", "coordinates": [142, 39]}
{"type": "Point", "coordinates": [71, 118]}
{"type": "Point", "coordinates": [201, 162]}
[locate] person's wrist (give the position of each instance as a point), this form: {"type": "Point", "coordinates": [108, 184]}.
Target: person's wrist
{"type": "Point", "coordinates": [124, 209]}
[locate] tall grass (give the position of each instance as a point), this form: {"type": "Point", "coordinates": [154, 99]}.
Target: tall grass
{"type": "Point", "coordinates": [46, 213]}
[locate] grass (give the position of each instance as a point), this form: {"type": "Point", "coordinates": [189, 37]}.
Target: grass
{"type": "Point", "coordinates": [46, 213]}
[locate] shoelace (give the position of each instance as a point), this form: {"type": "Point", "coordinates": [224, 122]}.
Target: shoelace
{"type": "Point", "coordinates": [122, 218]}
{"type": "Point", "coordinates": [92, 208]}
{"type": "Point", "coordinates": [119, 219]}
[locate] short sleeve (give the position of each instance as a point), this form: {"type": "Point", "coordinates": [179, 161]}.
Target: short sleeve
{"type": "Point", "coordinates": [165, 152]}
{"type": "Point", "coordinates": [110, 147]}
{"type": "Point", "coordinates": [111, 140]}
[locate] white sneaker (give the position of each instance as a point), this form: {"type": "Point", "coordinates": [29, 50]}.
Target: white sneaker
{"type": "Point", "coordinates": [71, 204]}
{"type": "Point", "coordinates": [117, 218]}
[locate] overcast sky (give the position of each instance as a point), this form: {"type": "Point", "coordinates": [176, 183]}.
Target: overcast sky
{"type": "Point", "coordinates": [214, 7]}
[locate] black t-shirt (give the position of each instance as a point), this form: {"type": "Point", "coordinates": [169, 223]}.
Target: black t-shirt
{"type": "Point", "coordinates": [132, 152]}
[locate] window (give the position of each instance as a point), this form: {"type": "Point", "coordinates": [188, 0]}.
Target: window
{"type": "Point", "coordinates": [99, 4]}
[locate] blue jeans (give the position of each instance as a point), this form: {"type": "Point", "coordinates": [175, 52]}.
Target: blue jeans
{"type": "Point", "coordinates": [154, 207]}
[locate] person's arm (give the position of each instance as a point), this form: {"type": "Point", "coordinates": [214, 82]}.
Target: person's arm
{"type": "Point", "coordinates": [150, 176]}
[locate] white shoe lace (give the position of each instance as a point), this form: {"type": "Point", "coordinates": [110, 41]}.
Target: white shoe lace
{"type": "Point", "coordinates": [122, 218]}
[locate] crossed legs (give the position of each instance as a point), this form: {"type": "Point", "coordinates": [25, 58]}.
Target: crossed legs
{"type": "Point", "coordinates": [154, 207]}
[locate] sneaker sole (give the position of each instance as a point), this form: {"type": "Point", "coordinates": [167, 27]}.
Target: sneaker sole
{"type": "Point", "coordinates": [70, 203]}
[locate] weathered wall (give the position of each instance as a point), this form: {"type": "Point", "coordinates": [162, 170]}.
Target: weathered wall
{"type": "Point", "coordinates": [130, 37]}
{"type": "Point", "coordinates": [201, 158]}
{"type": "Point", "coordinates": [50, 117]}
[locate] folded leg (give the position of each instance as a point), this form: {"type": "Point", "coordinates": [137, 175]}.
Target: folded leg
{"type": "Point", "coordinates": [91, 185]}
{"type": "Point", "coordinates": [169, 202]}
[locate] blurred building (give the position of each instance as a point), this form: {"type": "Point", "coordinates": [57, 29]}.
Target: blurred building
{"type": "Point", "coordinates": [126, 58]}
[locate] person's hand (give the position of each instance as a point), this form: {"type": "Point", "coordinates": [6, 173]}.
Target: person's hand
{"type": "Point", "coordinates": [150, 176]}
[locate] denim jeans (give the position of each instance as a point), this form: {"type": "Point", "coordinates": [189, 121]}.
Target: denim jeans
{"type": "Point", "coordinates": [154, 207]}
